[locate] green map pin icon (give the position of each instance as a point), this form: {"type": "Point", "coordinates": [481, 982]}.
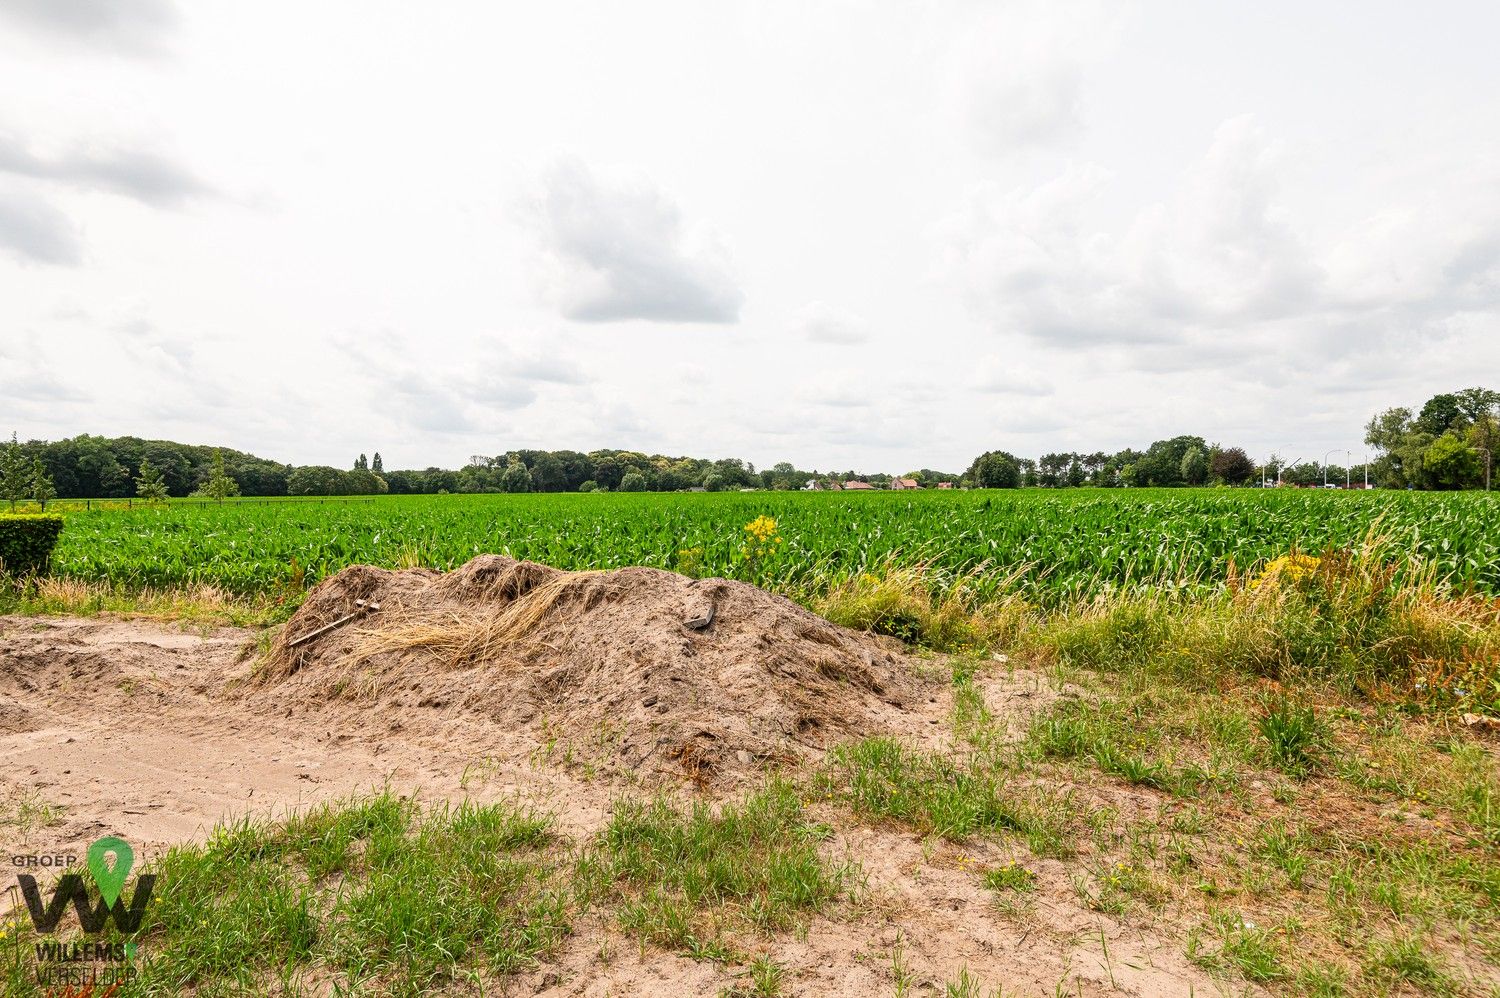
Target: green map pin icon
{"type": "Point", "coordinates": [110, 880]}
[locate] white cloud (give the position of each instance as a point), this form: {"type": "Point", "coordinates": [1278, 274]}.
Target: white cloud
{"type": "Point", "coordinates": [33, 231]}
{"type": "Point", "coordinates": [617, 249]}
{"type": "Point", "coordinates": [1218, 277]}
{"type": "Point", "coordinates": [144, 175]}
{"type": "Point", "coordinates": [135, 27]}
{"type": "Point", "coordinates": [998, 376]}
{"type": "Point", "coordinates": [1015, 74]}
{"type": "Point", "coordinates": [547, 367]}
{"type": "Point", "coordinates": [822, 323]}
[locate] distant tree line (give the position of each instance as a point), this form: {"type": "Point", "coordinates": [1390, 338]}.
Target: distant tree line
{"type": "Point", "coordinates": [1447, 444]}
{"type": "Point", "coordinates": [1184, 460]}
{"type": "Point", "coordinates": [602, 470]}
{"type": "Point", "coordinates": [94, 467]}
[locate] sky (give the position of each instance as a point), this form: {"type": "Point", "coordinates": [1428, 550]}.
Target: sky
{"type": "Point", "coordinates": [874, 236]}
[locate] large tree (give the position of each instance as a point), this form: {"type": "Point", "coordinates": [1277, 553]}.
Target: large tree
{"type": "Point", "coordinates": [995, 469]}
{"type": "Point", "coordinates": [1232, 466]}
{"type": "Point", "coordinates": [1452, 464]}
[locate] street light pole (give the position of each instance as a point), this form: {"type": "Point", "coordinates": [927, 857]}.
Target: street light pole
{"type": "Point", "coordinates": [1348, 467]}
{"type": "Point", "coordinates": [1325, 467]}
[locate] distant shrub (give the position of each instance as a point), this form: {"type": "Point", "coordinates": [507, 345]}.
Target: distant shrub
{"type": "Point", "coordinates": [26, 542]}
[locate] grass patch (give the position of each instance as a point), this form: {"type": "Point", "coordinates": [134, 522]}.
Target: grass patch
{"type": "Point", "coordinates": [1245, 948]}
{"type": "Point", "coordinates": [27, 811]}
{"type": "Point", "coordinates": [1294, 737]}
{"type": "Point", "coordinates": [1121, 737]}
{"type": "Point", "coordinates": [935, 795]}
{"type": "Point", "coordinates": [689, 878]}
{"type": "Point", "coordinates": [378, 895]}
{"type": "Point", "coordinates": [373, 894]}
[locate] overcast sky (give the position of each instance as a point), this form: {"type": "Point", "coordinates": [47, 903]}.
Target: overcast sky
{"type": "Point", "coordinates": [880, 236]}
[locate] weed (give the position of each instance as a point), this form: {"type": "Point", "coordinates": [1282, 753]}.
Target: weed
{"type": "Point", "coordinates": [1294, 737]}
{"type": "Point", "coordinates": [1012, 877]}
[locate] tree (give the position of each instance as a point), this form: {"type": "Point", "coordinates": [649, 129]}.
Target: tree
{"type": "Point", "coordinates": [588, 486]}
{"type": "Point", "coordinates": [219, 485]}
{"type": "Point", "coordinates": [315, 480]}
{"type": "Point", "coordinates": [1194, 466]}
{"type": "Point", "coordinates": [547, 473]}
{"type": "Point", "coordinates": [377, 465]}
{"type": "Point", "coordinates": [1162, 462]}
{"type": "Point", "coordinates": [1451, 463]}
{"type": "Point", "coordinates": [515, 478]}
{"type": "Point", "coordinates": [149, 484]}
{"type": "Point", "coordinates": [633, 481]}
{"type": "Point", "coordinates": [15, 472]}
{"type": "Point", "coordinates": [1475, 404]}
{"type": "Point", "coordinates": [42, 490]}
{"type": "Point", "coordinates": [1232, 466]}
{"type": "Point", "coordinates": [995, 469]}
{"type": "Point", "coordinates": [361, 463]}
{"type": "Point", "coordinates": [1439, 414]}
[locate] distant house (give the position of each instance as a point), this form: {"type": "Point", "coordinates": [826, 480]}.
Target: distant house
{"type": "Point", "coordinates": [905, 483]}
{"type": "Point", "coordinates": [945, 485]}
{"type": "Point", "coordinates": [858, 485]}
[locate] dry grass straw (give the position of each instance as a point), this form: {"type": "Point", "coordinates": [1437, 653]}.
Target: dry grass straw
{"type": "Point", "coordinates": [201, 603]}
{"type": "Point", "coordinates": [479, 632]}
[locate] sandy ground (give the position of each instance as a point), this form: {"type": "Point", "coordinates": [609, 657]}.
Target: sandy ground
{"type": "Point", "coordinates": [143, 730]}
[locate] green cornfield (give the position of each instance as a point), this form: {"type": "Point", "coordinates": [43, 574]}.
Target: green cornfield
{"type": "Point", "coordinates": [1065, 544]}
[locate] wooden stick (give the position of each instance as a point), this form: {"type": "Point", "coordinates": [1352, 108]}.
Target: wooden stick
{"type": "Point", "coordinates": [362, 608]}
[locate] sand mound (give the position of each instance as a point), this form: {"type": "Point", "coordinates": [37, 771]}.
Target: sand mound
{"type": "Point", "coordinates": [638, 668]}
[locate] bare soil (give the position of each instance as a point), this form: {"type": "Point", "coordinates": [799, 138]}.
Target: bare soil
{"type": "Point", "coordinates": [156, 733]}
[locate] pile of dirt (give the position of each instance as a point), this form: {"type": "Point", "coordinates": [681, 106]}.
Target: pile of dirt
{"type": "Point", "coordinates": [637, 668]}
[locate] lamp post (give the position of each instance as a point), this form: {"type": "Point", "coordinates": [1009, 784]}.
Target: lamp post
{"type": "Point", "coordinates": [1325, 467]}
{"type": "Point", "coordinates": [1367, 469]}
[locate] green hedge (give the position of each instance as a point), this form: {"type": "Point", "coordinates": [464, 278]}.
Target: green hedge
{"type": "Point", "coordinates": [26, 542]}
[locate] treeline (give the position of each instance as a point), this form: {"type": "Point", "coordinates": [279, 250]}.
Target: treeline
{"type": "Point", "coordinates": [94, 467]}
{"type": "Point", "coordinates": [1448, 444]}
{"type": "Point", "coordinates": [1185, 460]}
{"type": "Point", "coordinates": [608, 470]}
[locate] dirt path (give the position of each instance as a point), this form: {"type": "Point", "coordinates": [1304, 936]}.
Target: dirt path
{"type": "Point", "coordinates": [140, 729]}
